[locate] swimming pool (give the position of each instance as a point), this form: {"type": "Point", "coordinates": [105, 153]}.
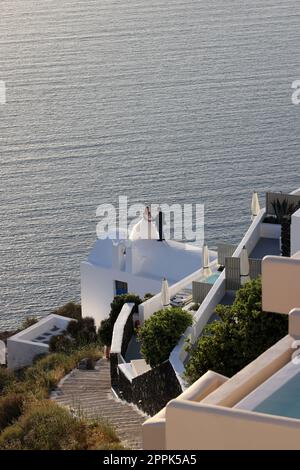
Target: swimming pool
{"type": "Point", "coordinates": [212, 278]}
{"type": "Point", "coordinates": [279, 395]}
{"type": "Point", "coordinates": [285, 401]}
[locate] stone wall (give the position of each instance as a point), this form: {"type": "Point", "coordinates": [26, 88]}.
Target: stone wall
{"type": "Point", "coordinates": [150, 391]}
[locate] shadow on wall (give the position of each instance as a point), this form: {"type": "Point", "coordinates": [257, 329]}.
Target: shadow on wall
{"type": "Point", "coordinates": [150, 391]}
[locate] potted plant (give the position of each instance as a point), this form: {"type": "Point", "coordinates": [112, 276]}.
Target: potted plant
{"type": "Point", "coordinates": [283, 213]}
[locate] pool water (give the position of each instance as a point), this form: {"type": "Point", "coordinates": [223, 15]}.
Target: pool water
{"type": "Point", "coordinates": [285, 401]}
{"type": "Point", "coordinates": [212, 278]}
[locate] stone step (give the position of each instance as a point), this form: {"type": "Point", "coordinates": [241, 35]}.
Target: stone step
{"type": "Point", "coordinates": [90, 391]}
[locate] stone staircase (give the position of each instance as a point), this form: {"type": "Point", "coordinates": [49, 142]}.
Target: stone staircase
{"type": "Point", "coordinates": [89, 392]}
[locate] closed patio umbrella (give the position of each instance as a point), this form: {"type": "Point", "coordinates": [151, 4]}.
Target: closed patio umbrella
{"type": "Point", "coordinates": [2, 353]}
{"type": "Point", "coordinates": [165, 294]}
{"type": "Point", "coordinates": [255, 207]}
{"type": "Point", "coordinates": [205, 256]}
{"type": "Point", "coordinates": [244, 266]}
{"type": "Point", "coordinates": [147, 215]}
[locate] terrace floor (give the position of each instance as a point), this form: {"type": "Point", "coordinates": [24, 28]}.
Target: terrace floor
{"type": "Point", "coordinates": [264, 247]}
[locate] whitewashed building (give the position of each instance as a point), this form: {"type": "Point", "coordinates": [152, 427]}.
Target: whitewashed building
{"type": "Point", "coordinates": [136, 265]}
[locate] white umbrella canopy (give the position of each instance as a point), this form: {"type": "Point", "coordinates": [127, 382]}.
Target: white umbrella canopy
{"type": "Point", "coordinates": [2, 353]}
{"type": "Point", "coordinates": [205, 256]}
{"type": "Point", "coordinates": [244, 266]}
{"type": "Point", "coordinates": [165, 294]}
{"type": "Point", "coordinates": [255, 206]}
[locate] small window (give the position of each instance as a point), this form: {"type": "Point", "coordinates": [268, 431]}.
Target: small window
{"type": "Point", "coordinates": [121, 287]}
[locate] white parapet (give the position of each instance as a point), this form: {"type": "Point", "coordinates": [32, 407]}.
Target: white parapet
{"type": "Point", "coordinates": [294, 323]}
{"type": "Point", "coordinates": [295, 233]}
{"type": "Point", "coordinates": [118, 331]}
{"type": "Point", "coordinates": [280, 284]}
{"type": "Point", "coordinates": [24, 346]}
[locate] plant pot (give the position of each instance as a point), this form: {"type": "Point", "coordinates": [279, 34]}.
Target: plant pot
{"type": "Point", "coordinates": [107, 352]}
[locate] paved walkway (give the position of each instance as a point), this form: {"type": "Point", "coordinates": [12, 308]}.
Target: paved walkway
{"type": "Point", "coordinates": [89, 392]}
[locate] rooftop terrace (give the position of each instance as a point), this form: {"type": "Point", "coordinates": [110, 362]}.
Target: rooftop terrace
{"type": "Point", "coordinates": [265, 247]}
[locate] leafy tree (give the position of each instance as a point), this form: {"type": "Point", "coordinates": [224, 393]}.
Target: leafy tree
{"type": "Point", "coordinates": [243, 332]}
{"type": "Point", "coordinates": [83, 331]}
{"type": "Point", "coordinates": [106, 327]}
{"type": "Point", "coordinates": [161, 332]}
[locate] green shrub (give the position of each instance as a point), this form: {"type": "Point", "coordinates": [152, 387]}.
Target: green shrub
{"type": "Point", "coordinates": [119, 301]}
{"type": "Point", "coordinates": [11, 407]}
{"type": "Point", "coordinates": [70, 310]}
{"type": "Point", "coordinates": [101, 436]}
{"type": "Point", "coordinates": [52, 361]}
{"type": "Point", "coordinates": [195, 307]}
{"type": "Point", "coordinates": [83, 331]}
{"type": "Point", "coordinates": [105, 330]}
{"type": "Point", "coordinates": [79, 333]}
{"type": "Point", "coordinates": [161, 332]}
{"type": "Point", "coordinates": [6, 378]}
{"type": "Point", "coordinates": [47, 426]}
{"type": "Point", "coordinates": [7, 334]}
{"type": "Point", "coordinates": [148, 296]}
{"type": "Point", "coordinates": [42, 424]}
{"type": "Point", "coordinates": [243, 332]}
{"type": "Point", "coordinates": [91, 352]}
{"type": "Point", "coordinates": [44, 375]}
{"type": "Point", "coordinates": [43, 381]}
{"type": "Point", "coordinates": [29, 321]}
{"type": "Point", "coordinates": [10, 438]}
{"type": "Point", "coordinates": [61, 343]}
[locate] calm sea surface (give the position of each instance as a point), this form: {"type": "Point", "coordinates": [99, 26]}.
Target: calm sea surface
{"type": "Point", "coordinates": [163, 100]}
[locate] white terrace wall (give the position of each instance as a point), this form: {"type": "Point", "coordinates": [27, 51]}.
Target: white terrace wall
{"type": "Point", "coordinates": [295, 233]}
{"type": "Point", "coordinates": [192, 426]}
{"type": "Point", "coordinates": [280, 284]}
{"type": "Point", "coordinates": [212, 423]}
{"type": "Point", "coordinates": [21, 350]}
{"type": "Point", "coordinates": [22, 353]}
{"type": "Point", "coordinates": [119, 326]}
